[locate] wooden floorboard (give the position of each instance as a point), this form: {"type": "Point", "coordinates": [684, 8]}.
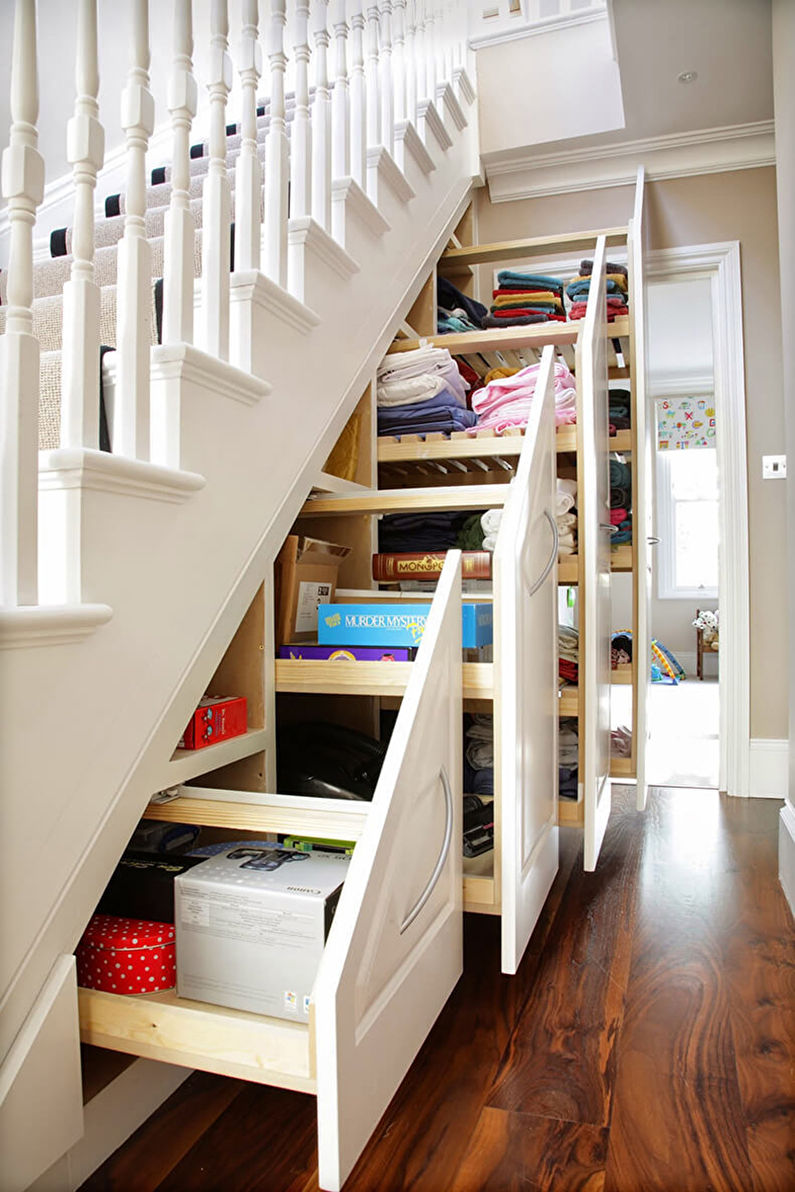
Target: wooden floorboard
{"type": "Point", "coordinates": [645, 1045]}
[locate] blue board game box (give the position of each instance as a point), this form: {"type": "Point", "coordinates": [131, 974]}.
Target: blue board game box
{"type": "Point", "coordinates": [396, 624]}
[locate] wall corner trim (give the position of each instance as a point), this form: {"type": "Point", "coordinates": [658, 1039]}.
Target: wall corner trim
{"type": "Point", "coordinates": [786, 853]}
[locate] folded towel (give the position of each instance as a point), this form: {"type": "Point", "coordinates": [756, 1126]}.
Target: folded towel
{"type": "Point", "coordinates": [586, 267]}
{"type": "Point", "coordinates": [509, 277]}
{"type": "Point", "coordinates": [566, 496]}
{"type": "Point", "coordinates": [517, 321]}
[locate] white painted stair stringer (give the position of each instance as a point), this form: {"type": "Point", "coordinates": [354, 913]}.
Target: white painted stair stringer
{"type": "Point", "coordinates": [89, 727]}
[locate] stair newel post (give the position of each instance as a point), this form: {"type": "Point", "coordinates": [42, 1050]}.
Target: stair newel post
{"type": "Point", "coordinates": [274, 246]}
{"type": "Point", "coordinates": [411, 61]}
{"type": "Point", "coordinates": [372, 79]}
{"type": "Point", "coordinates": [248, 171]}
{"type": "Point", "coordinates": [358, 97]}
{"type": "Point", "coordinates": [23, 187]}
{"type": "Point", "coordinates": [134, 286]}
{"type": "Point", "coordinates": [216, 194]}
{"type": "Point", "coordinates": [399, 60]}
{"type": "Point", "coordinates": [301, 131]}
{"type": "Point", "coordinates": [385, 66]}
{"type": "Point", "coordinates": [85, 151]}
{"type": "Point", "coordinates": [180, 226]}
{"type": "Point", "coordinates": [340, 100]}
{"type": "Point", "coordinates": [321, 119]}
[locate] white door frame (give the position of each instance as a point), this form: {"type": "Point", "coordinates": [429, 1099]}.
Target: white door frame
{"type": "Point", "coordinates": [720, 264]}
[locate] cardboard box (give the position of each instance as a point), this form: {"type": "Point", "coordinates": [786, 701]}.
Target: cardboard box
{"type": "Point", "coordinates": [347, 653]}
{"type": "Point", "coordinates": [396, 624]}
{"type": "Point", "coordinates": [305, 574]}
{"type": "Point", "coordinates": [217, 718]}
{"type": "Point", "coordinates": [251, 927]}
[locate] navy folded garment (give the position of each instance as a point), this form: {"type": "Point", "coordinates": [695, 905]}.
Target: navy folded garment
{"type": "Point", "coordinates": [451, 298]}
{"type": "Point", "coordinates": [483, 781]}
{"type": "Point", "coordinates": [419, 531]}
{"type": "Point", "coordinates": [518, 321]}
{"type": "Point", "coordinates": [567, 782]}
{"type": "Point", "coordinates": [439, 413]}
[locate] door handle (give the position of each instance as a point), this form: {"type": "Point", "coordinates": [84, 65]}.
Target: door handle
{"type": "Point", "coordinates": [440, 860]}
{"type": "Point", "coordinates": [653, 541]}
{"type": "Point", "coordinates": [533, 588]}
{"type": "Point", "coordinates": [608, 526]}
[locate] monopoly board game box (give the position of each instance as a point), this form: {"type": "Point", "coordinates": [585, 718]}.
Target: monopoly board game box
{"type": "Point", "coordinates": [396, 624]}
{"type": "Point", "coordinates": [251, 926]}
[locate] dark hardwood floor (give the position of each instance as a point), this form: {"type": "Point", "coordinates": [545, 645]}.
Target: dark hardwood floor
{"type": "Point", "coordinates": [647, 1043]}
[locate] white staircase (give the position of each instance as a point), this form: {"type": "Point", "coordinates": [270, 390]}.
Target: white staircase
{"type": "Point", "coordinates": [125, 574]}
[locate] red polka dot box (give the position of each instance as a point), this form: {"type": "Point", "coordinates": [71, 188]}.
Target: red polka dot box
{"type": "Point", "coordinates": [126, 955]}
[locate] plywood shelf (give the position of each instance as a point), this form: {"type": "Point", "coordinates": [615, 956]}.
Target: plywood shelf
{"type": "Point", "coordinates": [621, 557]}
{"type": "Point", "coordinates": [483, 444]}
{"type": "Point", "coordinates": [190, 763]}
{"type": "Point", "coordinates": [568, 569]}
{"type": "Point", "coordinates": [622, 767]}
{"type": "Point", "coordinates": [370, 678]}
{"type": "Point", "coordinates": [462, 343]}
{"type": "Point", "coordinates": [571, 813]}
{"type": "Point", "coordinates": [412, 500]}
{"type": "Point", "coordinates": [335, 819]}
{"type": "Point", "coordinates": [569, 701]}
{"type": "Point", "coordinates": [622, 674]}
{"type": "Point", "coordinates": [165, 1027]}
{"type": "Point", "coordinates": [530, 248]}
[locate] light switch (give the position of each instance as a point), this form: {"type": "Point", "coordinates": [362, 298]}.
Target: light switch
{"type": "Point", "coordinates": [774, 467]}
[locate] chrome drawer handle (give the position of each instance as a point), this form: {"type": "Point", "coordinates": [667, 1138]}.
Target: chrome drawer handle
{"type": "Point", "coordinates": [551, 560]}
{"type": "Point", "coordinates": [439, 866]}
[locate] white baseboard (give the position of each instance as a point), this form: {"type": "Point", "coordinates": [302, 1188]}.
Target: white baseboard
{"type": "Point", "coordinates": [786, 853]}
{"type": "Point", "coordinates": [768, 769]}
{"type": "Point", "coordinates": [110, 1118]}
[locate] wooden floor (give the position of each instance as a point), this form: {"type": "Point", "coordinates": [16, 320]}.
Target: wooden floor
{"type": "Point", "coordinates": [646, 1044]}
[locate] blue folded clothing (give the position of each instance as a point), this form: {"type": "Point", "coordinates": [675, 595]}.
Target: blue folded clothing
{"type": "Point", "coordinates": [576, 288]}
{"type": "Point", "coordinates": [509, 279]}
{"type": "Point", "coordinates": [440, 413]}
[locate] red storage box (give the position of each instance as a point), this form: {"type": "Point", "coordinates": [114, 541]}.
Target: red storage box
{"type": "Point", "coordinates": [216, 718]}
{"type": "Point", "coordinates": [126, 955]}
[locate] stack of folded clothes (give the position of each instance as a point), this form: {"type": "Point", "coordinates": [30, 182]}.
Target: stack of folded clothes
{"type": "Point", "coordinates": [490, 524]}
{"type": "Point", "coordinates": [506, 401]}
{"type": "Point", "coordinates": [524, 298]}
{"type": "Point", "coordinates": [621, 741]}
{"type": "Point", "coordinates": [620, 501]}
{"type": "Point", "coordinates": [579, 288]}
{"type": "Point", "coordinates": [568, 654]}
{"type": "Point", "coordinates": [428, 532]}
{"type": "Point", "coordinates": [620, 409]}
{"type": "Point", "coordinates": [568, 757]}
{"type": "Point", "coordinates": [479, 755]}
{"type": "Point", "coordinates": [421, 391]}
{"type": "Point", "coordinates": [621, 649]}
{"type": "Point", "coordinates": [456, 311]}
{"type": "Point", "coordinates": [566, 516]}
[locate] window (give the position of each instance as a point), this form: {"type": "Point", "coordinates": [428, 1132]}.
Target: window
{"type": "Point", "coordinates": [687, 524]}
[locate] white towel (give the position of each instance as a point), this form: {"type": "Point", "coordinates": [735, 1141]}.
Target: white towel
{"type": "Point", "coordinates": [566, 496]}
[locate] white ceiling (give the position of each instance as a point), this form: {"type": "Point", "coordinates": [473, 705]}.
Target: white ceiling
{"type": "Point", "coordinates": [727, 42]}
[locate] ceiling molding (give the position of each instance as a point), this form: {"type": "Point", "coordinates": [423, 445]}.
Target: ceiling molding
{"type": "Point", "coordinates": [679, 155]}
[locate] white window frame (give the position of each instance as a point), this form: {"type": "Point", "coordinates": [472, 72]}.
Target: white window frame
{"type": "Point", "coordinates": [665, 507]}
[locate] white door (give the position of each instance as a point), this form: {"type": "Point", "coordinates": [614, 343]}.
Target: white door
{"type": "Point", "coordinates": [394, 951]}
{"type": "Point", "coordinates": [594, 529]}
{"type": "Point", "coordinates": [525, 679]}
{"type": "Point", "coordinates": [643, 432]}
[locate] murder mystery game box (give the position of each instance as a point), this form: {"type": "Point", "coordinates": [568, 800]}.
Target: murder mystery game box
{"type": "Point", "coordinates": [251, 926]}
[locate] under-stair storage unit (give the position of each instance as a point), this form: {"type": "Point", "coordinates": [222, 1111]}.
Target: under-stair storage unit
{"type": "Point", "coordinates": [394, 950]}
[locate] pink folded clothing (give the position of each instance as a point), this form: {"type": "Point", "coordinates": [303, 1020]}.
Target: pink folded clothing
{"type": "Point", "coordinates": [617, 516]}
{"type": "Point", "coordinates": [507, 401]}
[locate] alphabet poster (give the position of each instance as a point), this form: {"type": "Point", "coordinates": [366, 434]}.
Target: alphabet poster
{"type": "Point", "coordinates": [685, 422]}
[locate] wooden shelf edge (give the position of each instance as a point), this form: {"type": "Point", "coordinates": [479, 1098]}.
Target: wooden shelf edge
{"type": "Point", "coordinates": [190, 763]}
{"type": "Point", "coordinates": [527, 248]}
{"type": "Point", "coordinates": [212, 1038]}
{"type": "Point", "coordinates": [370, 678]}
{"type": "Point", "coordinates": [338, 819]}
{"type": "Point", "coordinates": [571, 813]}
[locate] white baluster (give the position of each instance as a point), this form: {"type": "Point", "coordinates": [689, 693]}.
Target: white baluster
{"type": "Point", "coordinates": [134, 288]}
{"type": "Point", "coordinates": [399, 60]}
{"type": "Point", "coordinates": [373, 82]}
{"type": "Point", "coordinates": [444, 24]}
{"type": "Point", "coordinates": [387, 95]}
{"type": "Point", "coordinates": [248, 171]}
{"type": "Point", "coordinates": [431, 69]}
{"type": "Point", "coordinates": [321, 120]}
{"type": "Point", "coordinates": [340, 133]}
{"type": "Point", "coordinates": [216, 194]}
{"type": "Point", "coordinates": [421, 51]}
{"type": "Point", "coordinates": [23, 186]}
{"type": "Point", "coordinates": [301, 131]}
{"type": "Point", "coordinates": [180, 226]}
{"type": "Point", "coordinates": [358, 98]}
{"type": "Point", "coordinates": [411, 61]}
{"type": "Point", "coordinates": [276, 154]}
{"type": "Point", "coordinates": [85, 151]}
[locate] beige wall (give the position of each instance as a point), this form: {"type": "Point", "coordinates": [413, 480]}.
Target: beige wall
{"type": "Point", "coordinates": [702, 210]}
